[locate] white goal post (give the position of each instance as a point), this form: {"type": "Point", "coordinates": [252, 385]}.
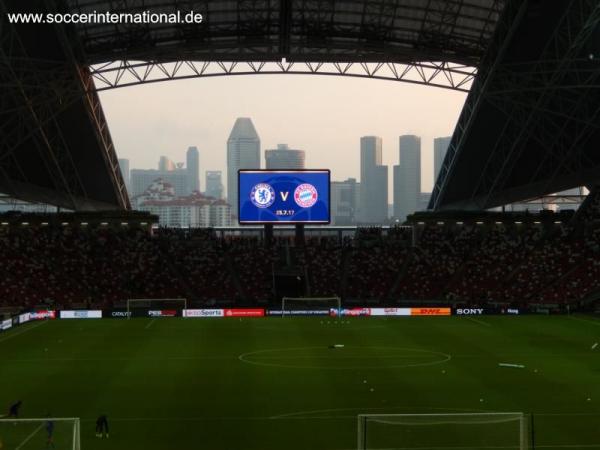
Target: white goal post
{"type": "Point", "coordinates": [34, 433]}
{"type": "Point", "coordinates": [151, 302]}
{"type": "Point", "coordinates": [311, 303]}
{"type": "Point", "coordinates": [458, 431]}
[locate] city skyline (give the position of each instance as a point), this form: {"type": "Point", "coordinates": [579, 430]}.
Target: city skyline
{"type": "Point", "coordinates": [167, 118]}
{"type": "Point", "coordinates": [243, 147]}
{"type": "Point", "coordinates": [440, 144]}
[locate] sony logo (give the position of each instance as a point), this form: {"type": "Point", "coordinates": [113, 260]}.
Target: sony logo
{"type": "Point", "coordinates": [469, 311]}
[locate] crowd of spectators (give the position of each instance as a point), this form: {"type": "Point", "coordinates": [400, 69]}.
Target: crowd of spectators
{"type": "Point", "coordinates": [460, 263]}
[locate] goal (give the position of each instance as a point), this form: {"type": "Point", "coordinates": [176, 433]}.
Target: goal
{"type": "Point", "coordinates": [154, 304]}
{"type": "Point", "coordinates": [462, 431]}
{"type": "Point", "coordinates": [291, 304]}
{"type": "Point", "coordinates": [25, 434]}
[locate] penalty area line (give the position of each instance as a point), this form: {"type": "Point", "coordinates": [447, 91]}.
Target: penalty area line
{"type": "Point", "coordinates": [149, 324]}
{"type": "Point", "coordinates": [28, 438]}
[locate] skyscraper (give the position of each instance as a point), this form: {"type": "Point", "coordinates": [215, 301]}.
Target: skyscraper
{"type": "Point", "coordinates": [407, 177]}
{"type": "Point", "coordinates": [168, 171]}
{"type": "Point", "coordinates": [284, 158]}
{"type": "Point", "coordinates": [440, 147]}
{"type": "Point", "coordinates": [243, 152]}
{"type": "Point", "coordinates": [192, 158]}
{"type": "Point", "coordinates": [165, 164]}
{"type": "Point", "coordinates": [344, 201]}
{"type": "Point", "coordinates": [124, 166]}
{"type": "Point", "coordinates": [373, 181]}
{"type": "Point", "coordinates": [214, 184]}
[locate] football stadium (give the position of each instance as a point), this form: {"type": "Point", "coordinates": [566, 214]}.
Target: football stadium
{"type": "Point", "coordinates": [297, 311]}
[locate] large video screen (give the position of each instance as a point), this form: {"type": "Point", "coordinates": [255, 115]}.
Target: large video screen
{"type": "Point", "coordinates": [283, 196]}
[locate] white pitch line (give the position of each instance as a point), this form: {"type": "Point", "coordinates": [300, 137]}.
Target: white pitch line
{"type": "Point", "coordinates": [480, 322]}
{"type": "Point", "coordinates": [25, 330]}
{"type": "Point", "coordinates": [488, 447]}
{"type": "Point", "coordinates": [150, 324]}
{"type": "Point", "coordinates": [28, 438]}
{"type": "Point", "coordinates": [593, 322]}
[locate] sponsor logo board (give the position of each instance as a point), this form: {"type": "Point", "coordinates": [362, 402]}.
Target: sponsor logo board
{"type": "Point", "coordinates": [120, 314]}
{"type": "Point", "coordinates": [203, 313]}
{"type": "Point", "coordinates": [390, 311]}
{"type": "Point", "coordinates": [469, 311]}
{"type": "Point", "coordinates": [162, 313]}
{"type": "Point", "coordinates": [244, 312]}
{"type": "Point", "coordinates": [81, 314]}
{"type": "Point", "coordinates": [298, 312]}
{"type": "Point", "coordinates": [24, 318]}
{"type": "Point", "coordinates": [43, 314]}
{"type": "Point", "coordinates": [430, 311]}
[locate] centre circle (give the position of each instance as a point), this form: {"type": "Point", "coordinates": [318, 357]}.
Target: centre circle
{"type": "Point", "coordinates": [347, 357]}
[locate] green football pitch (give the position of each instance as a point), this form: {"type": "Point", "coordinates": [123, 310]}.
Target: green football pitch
{"type": "Point", "coordinates": [275, 383]}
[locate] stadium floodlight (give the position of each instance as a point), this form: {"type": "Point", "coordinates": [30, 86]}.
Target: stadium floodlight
{"type": "Point", "coordinates": [158, 304]}
{"type": "Point", "coordinates": [309, 304]}
{"type": "Point", "coordinates": [34, 433]}
{"type": "Point", "coordinates": [458, 431]}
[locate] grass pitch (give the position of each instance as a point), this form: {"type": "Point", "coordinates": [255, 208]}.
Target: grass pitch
{"type": "Point", "coordinates": [274, 383]}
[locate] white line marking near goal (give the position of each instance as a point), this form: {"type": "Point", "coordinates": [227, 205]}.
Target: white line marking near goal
{"type": "Point", "coordinates": [592, 321]}
{"type": "Point", "coordinates": [19, 332]}
{"type": "Point", "coordinates": [480, 322]}
{"type": "Point", "coordinates": [494, 447]}
{"type": "Point", "coordinates": [150, 324]}
{"type": "Point", "coordinates": [462, 447]}
{"type": "Point", "coordinates": [28, 438]}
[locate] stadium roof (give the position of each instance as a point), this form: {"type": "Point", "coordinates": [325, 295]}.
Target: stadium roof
{"type": "Point", "coordinates": [531, 123]}
{"type": "Point", "coordinates": [306, 30]}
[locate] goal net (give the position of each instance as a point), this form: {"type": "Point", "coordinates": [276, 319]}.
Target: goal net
{"type": "Point", "coordinates": [443, 431]}
{"type": "Point", "coordinates": [291, 305]}
{"type": "Point", "coordinates": [161, 306]}
{"type": "Point", "coordinates": [34, 434]}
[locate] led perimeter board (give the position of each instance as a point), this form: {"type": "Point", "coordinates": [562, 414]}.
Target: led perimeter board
{"type": "Point", "coordinates": [283, 196]}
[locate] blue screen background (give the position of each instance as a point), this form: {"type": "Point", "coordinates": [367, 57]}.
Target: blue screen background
{"type": "Point", "coordinates": [286, 181]}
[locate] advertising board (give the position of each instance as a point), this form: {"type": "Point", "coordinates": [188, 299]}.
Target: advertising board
{"type": "Point", "coordinates": [81, 314]}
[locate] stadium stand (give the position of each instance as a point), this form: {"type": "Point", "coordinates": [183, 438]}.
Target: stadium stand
{"type": "Point", "coordinates": [510, 262]}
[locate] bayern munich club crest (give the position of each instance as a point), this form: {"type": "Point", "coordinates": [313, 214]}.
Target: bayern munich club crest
{"type": "Point", "coordinates": [306, 195]}
{"type": "Point", "coordinates": [262, 195]}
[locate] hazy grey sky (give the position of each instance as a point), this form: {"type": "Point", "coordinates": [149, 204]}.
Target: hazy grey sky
{"type": "Point", "coordinates": [325, 116]}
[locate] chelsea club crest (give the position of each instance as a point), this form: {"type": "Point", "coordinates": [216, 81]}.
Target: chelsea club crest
{"type": "Point", "coordinates": [262, 195]}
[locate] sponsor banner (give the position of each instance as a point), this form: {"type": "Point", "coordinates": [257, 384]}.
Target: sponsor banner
{"type": "Point", "coordinates": [162, 313]}
{"type": "Point", "coordinates": [118, 314]}
{"type": "Point", "coordinates": [6, 324]}
{"type": "Point", "coordinates": [512, 311]}
{"type": "Point", "coordinates": [471, 311]}
{"type": "Point", "coordinates": [430, 311]}
{"type": "Point", "coordinates": [298, 312]}
{"type": "Point", "coordinates": [81, 314]}
{"type": "Point", "coordinates": [390, 311]}
{"type": "Point", "coordinates": [203, 313]}
{"type": "Point", "coordinates": [333, 312]}
{"type": "Point", "coordinates": [43, 314]}
{"type": "Point", "coordinates": [244, 312]}
{"type": "Point", "coordinates": [24, 318]}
